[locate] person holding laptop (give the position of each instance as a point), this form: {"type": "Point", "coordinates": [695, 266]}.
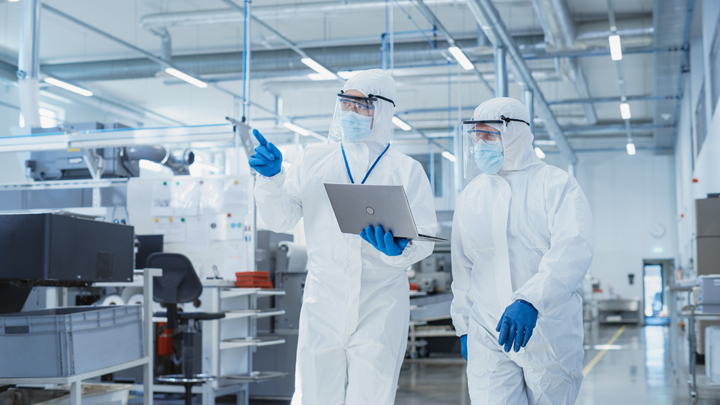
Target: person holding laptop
{"type": "Point", "coordinates": [355, 313]}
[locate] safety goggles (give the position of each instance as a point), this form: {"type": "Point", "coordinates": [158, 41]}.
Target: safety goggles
{"type": "Point", "coordinates": [360, 105]}
{"type": "Point", "coordinates": [353, 114]}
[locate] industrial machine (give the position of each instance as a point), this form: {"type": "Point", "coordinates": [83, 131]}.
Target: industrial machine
{"type": "Point", "coordinates": [60, 249]}
{"type": "Point", "coordinates": [111, 162]}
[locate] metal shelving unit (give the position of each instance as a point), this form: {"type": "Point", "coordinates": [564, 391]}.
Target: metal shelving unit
{"type": "Point", "coordinates": [228, 344]}
{"type": "Point", "coordinates": [146, 362]}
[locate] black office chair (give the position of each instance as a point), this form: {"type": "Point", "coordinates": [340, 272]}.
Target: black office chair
{"type": "Point", "coordinates": [179, 284]}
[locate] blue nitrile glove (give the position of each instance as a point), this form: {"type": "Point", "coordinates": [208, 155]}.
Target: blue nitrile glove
{"type": "Point", "coordinates": [384, 241]}
{"type": "Point", "coordinates": [517, 325]}
{"type": "Point", "coordinates": [267, 159]}
{"type": "Point", "coordinates": [463, 346]}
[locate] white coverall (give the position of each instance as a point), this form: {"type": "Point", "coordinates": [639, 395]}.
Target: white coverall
{"type": "Point", "coordinates": [526, 233]}
{"type": "Point", "coordinates": [355, 312]}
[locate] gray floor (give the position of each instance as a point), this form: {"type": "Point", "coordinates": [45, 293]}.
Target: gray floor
{"type": "Point", "coordinates": [635, 370]}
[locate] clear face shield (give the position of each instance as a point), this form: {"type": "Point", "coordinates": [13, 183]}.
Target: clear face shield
{"type": "Point", "coordinates": [482, 147]}
{"type": "Point", "coordinates": [354, 117]}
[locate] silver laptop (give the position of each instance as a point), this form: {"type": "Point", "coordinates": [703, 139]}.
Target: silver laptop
{"type": "Point", "coordinates": [358, 205]}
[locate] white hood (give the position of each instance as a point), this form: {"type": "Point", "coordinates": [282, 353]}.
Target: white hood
{"type": "Point", "coordinates": [380, 83]}
{"type": "Point", "coordinates": [517, 138]}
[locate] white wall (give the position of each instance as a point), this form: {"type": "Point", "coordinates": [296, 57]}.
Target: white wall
{"type": "Point", "coordinates": [698, 173]}
{"type": "Point", "coordinates": [632, 198]}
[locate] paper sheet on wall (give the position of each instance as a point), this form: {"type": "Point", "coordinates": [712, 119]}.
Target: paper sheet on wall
{"type": "Point", "coordinates": [186, 196]}
{"type": "Point", "coordinates": [211, 198]}
{"type": "Point", "coordinates": [198, 237]}
{"type": "Point", "coordinates": [236, 193]}
{"type": "Point", "coordinates": [161, 199]}
{"type": "Point", "coordinates": [172, 229]}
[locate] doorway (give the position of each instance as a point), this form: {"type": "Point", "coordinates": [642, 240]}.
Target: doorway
{"type": "Point", "coordinates": [656, 275]}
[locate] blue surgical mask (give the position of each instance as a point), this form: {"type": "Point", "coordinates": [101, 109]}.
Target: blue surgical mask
{"type": "Point", "coordinates": [356, 127]}
{"type": "Point", "coordinates": [489, 156]}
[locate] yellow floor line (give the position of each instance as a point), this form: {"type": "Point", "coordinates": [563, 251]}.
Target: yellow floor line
{"type": "Point", "coordinates": [597, 358]}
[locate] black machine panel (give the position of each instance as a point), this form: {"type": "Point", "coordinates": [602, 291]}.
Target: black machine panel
{"type": "Point", "coordinates": [59, 247]}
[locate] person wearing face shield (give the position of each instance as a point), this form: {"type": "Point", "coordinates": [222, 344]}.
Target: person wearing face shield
{"type": "Point", "coordinates": [355, 312]}
{"type": "Point", "coordinates": [522, 242]}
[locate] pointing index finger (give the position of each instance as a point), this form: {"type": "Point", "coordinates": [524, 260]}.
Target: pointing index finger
{"type": "Point", "coordinates": [260, 138]}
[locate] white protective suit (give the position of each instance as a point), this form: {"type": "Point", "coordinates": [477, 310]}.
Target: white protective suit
{"type": "Point", "coordinates": [355, 313]}
{"type": "Point", "coordinates": [526, 233]}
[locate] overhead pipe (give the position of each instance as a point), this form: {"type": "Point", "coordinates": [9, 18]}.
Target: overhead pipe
{"type": "Point", "coordinates": [283, 62]}
{"type": "Point", "coordinates": [119, 41]}
{"type": "Point", "coordinates": [488, 16]}
{"type": "Point", "coordinates": [312, 10]}
{"type": "Point", "coordinates": [450, 40]}
{"type": "Point", "coordinates": [344, 58]}
{"type": "Point", "coordinates": [560, 34]}
{"type": "Point", "coordinates": [247, 14]}
{"type": "Point", "coordinates": [166, 44]}
{"type": "Point", "coordinates": [29, 62]}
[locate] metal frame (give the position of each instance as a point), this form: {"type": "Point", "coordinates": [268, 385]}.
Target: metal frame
{"type": "Point", "coordinates": [147, 361]}
{"type": "Point", "coordinates": [117, 138]}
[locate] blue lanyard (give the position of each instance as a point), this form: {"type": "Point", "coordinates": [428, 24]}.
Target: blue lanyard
{"type": "Point", "coordinates": [371, 167]}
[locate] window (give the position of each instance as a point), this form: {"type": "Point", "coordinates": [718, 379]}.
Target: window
{"type": "Point", "coordinates": [700, 120]}
{"type": "Point", "coordinates": [715, 68]}
{"type": "Point", "coordinates": [436, 169]}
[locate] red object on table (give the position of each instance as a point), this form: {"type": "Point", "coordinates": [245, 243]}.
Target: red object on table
{"type": "Point", "coordinates": [253, 279]}
{"type": "Point", "coordinates": [414, 287]}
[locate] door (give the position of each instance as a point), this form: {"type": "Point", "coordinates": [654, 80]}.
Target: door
{"type": "Point", "coordinates": [655, 275]}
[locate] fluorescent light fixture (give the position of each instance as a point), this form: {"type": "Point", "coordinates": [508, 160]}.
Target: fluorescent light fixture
{"type": "Point", "coordinates": [152, 166]}
{"type": "Point", "coordinates": [545, 142]}
{"type": "Point", "coordinates": [318, 68]}
{"type": "Point", "coordinates": [68, 87]}
{"type": "Point", "coordinates": [207, 166]}
{"type": "Point", "coordinates": [295, 128]}
{"type": "Point", "coordinates": [401, 124]}
{"type": "Point", "coordinates": [615, 48]}
{"type": "Point", "coordinates": [461, 58]}
{"type": "Point", "coordinates": [625, 111]}
{"type": "Point", "coordinates": [539, 153]}
{"type": "Point", "coordinates": [630, 148]}
{"type": "Point", "coordinates": [318, 76]}
{"type": "Point", "coordinates": [449, 156]}
{"type": "Point", "coordinates": [347, 74]}
{"type": "Point", "coordinates": [182, 76]}
{"type": "Point", "coordinates": [13, 1]}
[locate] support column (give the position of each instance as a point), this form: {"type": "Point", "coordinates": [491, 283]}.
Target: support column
{"type": "Point", "coordinates": [530, 104]}
{"type": "Point", "coordinates": [246, 63]}
{"type": "Point", "coordinates": [501, 74]}
{"type": "Point", "coordinates": [278, 109]}
{"type": "Point", "coordinates": [29, 62]}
